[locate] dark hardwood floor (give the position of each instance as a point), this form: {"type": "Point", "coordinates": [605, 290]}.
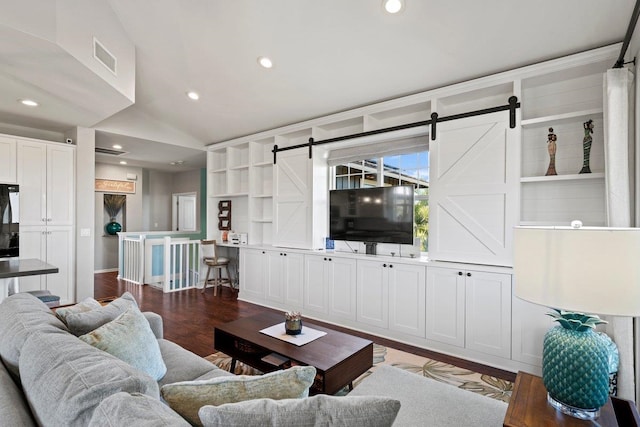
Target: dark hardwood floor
{"type": "Point", "coordinates": [190, 316]}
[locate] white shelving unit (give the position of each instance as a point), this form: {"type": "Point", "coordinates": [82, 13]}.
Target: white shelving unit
{"type": "Point", "coordinates": [261, 191]}
{"type": "Point", "coordinates": [563, 100]}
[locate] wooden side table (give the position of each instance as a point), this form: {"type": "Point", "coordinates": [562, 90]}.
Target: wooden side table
{"type": "Point", "coordinates": [528, 407]}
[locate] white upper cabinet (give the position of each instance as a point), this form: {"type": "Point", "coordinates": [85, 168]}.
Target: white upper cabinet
{"type": "Point", "coordinates": [474, 178]}
{"type": "Point", "coordinates": [8, 163]}
{"type": "Point", "coordinates": [46, 178]}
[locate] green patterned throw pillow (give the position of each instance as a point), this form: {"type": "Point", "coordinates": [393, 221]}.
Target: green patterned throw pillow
{"type": "Point", "coordinates": [187, 397]}
{"type": "Point", "coordinates": [320, 410]}
{"type": "Point", "coordinates": [130, 339]}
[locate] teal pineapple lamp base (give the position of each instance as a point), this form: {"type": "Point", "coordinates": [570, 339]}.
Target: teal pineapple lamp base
{"type": "Point", "coordinates": [575, 369]}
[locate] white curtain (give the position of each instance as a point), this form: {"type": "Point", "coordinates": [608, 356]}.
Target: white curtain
{"type": "Point", "coordinates": [619, 155]}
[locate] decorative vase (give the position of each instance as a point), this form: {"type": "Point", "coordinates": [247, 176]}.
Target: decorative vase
{"type": "Point", "coordinates": [293, 327]}
{"type": "Point", "coordinates": [113, 227]}
{"type": "Point", "coordinates": [292, 323]}
{"type": "Point", "coordinates": [575, 368]}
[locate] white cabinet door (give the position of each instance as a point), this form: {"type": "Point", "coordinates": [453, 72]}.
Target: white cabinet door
{"type": "Point", "coordinates": [252, 274]}
{"type": "Point", "coordinates": [33, 244]}
{"type": "Point", "coordinates": [373, 293]}
{"type": "Point", "coordinates": [60, 184]}
{"type": "Point", "coordinates": [32, 178]}
{"type": "Point", "coordinates": [474, 177]}
{"type": "Point", "coordinates": [316, 293]}
{"type": "Point", "coordinates": [293, 277]}
{"type": "Point", "coordinates": [341, 283]}
{"type": "Point", "coordinates": [529, 325]}
{"type": "Point", "coordinates": [8, 160]}
{"type": "Point", "coordinates": [445, 305]}
{"type": "Point", "coordinates": [53, 245]}
{"type": "Point", "coordinates": [59, 242]}
{"type": "Point", "coordinates": [407, 299]}
{"type": "Point", "coordinates": [274, 286]}
{"type": "Point", "coordinates": [488, 313]}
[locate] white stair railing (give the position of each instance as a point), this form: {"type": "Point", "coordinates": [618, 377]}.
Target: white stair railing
{"type": "Point", "coordinates": [181, 264]}
{"type": "Point", "coordinates": [133, 259]}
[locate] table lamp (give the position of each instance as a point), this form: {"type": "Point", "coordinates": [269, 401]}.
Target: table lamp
{"type": "Point", "coordinates": [580, 270]}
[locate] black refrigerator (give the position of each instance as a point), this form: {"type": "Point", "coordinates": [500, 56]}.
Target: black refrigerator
{"type": "Point", "coordinates": [9, 221]}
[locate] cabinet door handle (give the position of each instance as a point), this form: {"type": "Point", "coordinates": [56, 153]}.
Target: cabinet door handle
{"type": "Point", "coordinates": [459, 273]}
{"type": "Point", "coordinates": [330, 259]}
{"type": "Point", "coordinates": [390, 265]}
{"type": "Point", "coordinates": [325, 258]}
{"type": "Point", "coordinates": [468, 274]}
{"type": "Point", "coordinates": [384, 265]}
{"type": "Point", "coordinates": [44, 219]}
{"type": "Point", "coordinates": [284, 254]}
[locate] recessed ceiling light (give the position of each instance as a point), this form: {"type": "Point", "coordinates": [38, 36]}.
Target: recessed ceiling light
{"type": "Point", "coordinates": [122, 162]}
{"type": "Point", "coordinates": [265, 62]}
{"type": "Point", "coordinates": [193, 95]}
{"type": "Point", "coordinates": [117, 146]}
{"type": "Point", "coordinates": [28, 102]}
{"type": "Point", "coordinates": [393, 6]}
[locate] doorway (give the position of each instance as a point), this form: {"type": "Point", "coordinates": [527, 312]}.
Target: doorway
{"type": "Point", "coordinates": [184, 208]}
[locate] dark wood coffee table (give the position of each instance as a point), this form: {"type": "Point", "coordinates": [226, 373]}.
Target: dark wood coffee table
{"type": "Point", "coordinates": [338, 358]}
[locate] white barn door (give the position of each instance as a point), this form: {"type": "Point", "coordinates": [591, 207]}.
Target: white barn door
{"type": "Point", "coordinates": [474, 181]}
{"type": "Point", "coordinates": [292, 192]}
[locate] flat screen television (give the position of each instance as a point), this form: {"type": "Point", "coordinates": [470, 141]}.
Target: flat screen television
{"type": "Point", "coordinates": [376, 215]}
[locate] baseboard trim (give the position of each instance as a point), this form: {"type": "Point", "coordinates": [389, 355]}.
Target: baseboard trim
{"type": "Point", "coordinates": [106, 270]}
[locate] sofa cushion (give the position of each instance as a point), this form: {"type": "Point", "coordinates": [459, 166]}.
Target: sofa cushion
{"type": "Point", "coordinates": [183, 365]}
{"type": "Point", "coordinates": [130, 339]}
{"type": "Point", "coordinates": [320, 410]}
{"type": "Point", "coordinates": [14, 409]}
{"type": "Point", "coordinates": [64, 379]}
{"type": "Point", "coordinates": [86, 304]}
{"type": "Point", "coordinates": [20, 315]}
{"type": "Point", "coordinates": [134, 409]}
{"type": "Point", "coordinates": [187, 397]}
{"type": "Point", "coordinates": [84, 322]}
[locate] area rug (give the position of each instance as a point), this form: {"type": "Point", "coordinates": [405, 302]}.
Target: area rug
{"type": "Point", "coordinates": [465, 379]}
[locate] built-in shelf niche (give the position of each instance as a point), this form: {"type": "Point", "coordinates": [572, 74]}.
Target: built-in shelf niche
{"type": "Point", "coordinates": [413, 113]}
{"type": "Point", "coordinates": [479, 99]}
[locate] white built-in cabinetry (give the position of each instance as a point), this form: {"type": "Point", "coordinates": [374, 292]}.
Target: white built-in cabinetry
{"type": "Point", "coordinates": [8, 171]}
{"type": "Point", "coordinates": [390, 295]}
{"type": "Point", "coordinates": [470, 309]}
{"type": "Point", "coordinates": [329, 286]}
{"type": "Point", "coordinates": [46, 175]}
{"type": "Point", "coordinates": [486, 178]}
{"type": "Point", "coordinates": [284, 275]}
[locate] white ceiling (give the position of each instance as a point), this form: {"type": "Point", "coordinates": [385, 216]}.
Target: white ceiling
{"type": "Point", "coordinates": [329, 56]}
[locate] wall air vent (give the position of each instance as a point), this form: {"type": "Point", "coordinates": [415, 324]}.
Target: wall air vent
{"type": "Point", "coordinates": [103, 56]}
{"type": "Point", "coordinates": [109, 151]}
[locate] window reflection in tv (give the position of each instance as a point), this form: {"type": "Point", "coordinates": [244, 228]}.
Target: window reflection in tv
{"type": "Point", "coordinates": [380, 214]}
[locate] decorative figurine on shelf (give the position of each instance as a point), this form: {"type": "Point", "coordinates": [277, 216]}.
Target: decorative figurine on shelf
{"type": "Point", "coordinates": [293, 323]}
{"type": "Point", "coordinates": [551, 147]}
{"type": "Point", "coordinates": [586, 145]}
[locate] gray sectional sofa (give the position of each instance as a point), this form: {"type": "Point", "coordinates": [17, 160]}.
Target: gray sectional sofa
{"type": "Point", "coordinates": [50, 375]}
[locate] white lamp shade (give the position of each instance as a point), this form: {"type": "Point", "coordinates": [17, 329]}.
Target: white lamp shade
{"type": "Point", "coordinates": [589, 269]}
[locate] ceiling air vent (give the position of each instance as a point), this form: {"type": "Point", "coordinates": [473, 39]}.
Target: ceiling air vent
{"type": "Point", "coordinates": [109, 151]}
{"type": "Point", "coordinates": [103, 56]}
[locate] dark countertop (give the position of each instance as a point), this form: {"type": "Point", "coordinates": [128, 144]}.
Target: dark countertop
{"type": "Point", "coordinates": [24, 267]}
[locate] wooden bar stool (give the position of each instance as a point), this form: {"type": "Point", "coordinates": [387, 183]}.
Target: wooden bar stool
{"type": "Point", "coordinates": [209, 250]}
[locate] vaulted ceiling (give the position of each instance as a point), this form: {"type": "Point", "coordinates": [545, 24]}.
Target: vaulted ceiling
{"type": "Point", "coordinates": [328, 56]}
